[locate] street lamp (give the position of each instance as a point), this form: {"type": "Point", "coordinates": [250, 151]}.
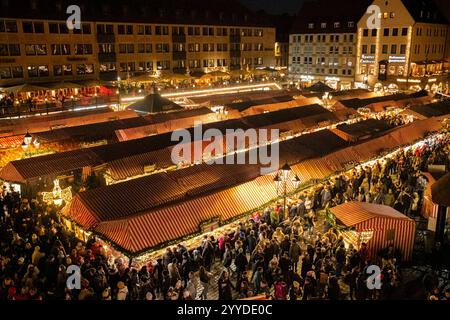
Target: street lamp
{"type": "Point", "coordinates": [27, 141]}
{"type": "Point", "coordinates": [281, 180]}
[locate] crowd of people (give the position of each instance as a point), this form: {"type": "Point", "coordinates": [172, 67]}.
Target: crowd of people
{"type": "Point", "coordinates": [291, 255]}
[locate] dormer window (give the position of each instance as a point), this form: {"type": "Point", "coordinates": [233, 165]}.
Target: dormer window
{"type": "Point", "coordinates": [351, 24]}
{"type": "Point", "coordinates": [323, 25]}
{"type": "Point", "coordinates": [310, 25]}
{"type": "Point", "coordinates": [337, 24]}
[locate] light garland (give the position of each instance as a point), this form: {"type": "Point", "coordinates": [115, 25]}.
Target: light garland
{"type": "Point", "coordinates": [58, 195]}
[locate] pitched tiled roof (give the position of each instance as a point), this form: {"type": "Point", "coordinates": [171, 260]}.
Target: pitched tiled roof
{"type": "Point", "coordinates": [329, 12]}
{"type": "Point", "coordinates": [425, 11]}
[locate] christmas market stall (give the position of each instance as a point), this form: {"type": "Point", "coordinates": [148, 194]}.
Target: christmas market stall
{"type": "Point", "coordinates": [376, 225]}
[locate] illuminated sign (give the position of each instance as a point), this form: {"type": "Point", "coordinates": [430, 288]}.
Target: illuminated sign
{"type": "Point", "coordinates": [332, 79]}
{"type": "Point", "coordinates": [397, 59]}
{"type": "Point", "coordinates": [365, 59]}
{"type": "Point", "coordinates": [306, 78]}
{"type": "Point", "coordinates": [409, 80]}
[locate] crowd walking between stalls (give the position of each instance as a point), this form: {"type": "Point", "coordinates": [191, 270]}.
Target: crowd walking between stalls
{"type": "Point", "coordinates": [294, 255]}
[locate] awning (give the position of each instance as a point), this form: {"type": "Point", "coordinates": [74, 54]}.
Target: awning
{"type": "Point", "coordinates": [24, 88]}
{"type": "Point", "coordinates": [63, 85]}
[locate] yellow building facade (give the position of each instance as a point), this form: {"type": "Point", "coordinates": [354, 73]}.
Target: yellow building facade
{"type": "Point", "coordinates": [406, 50]}
{"type": "Point", "coordinates": [33, 50]}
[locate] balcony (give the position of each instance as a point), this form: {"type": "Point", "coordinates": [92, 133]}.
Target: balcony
{"type": "Point", "coordinates": [107, 57]}
{"type": "Point", "coordinates": [235, 38]}
{"type": "Point", "coordinates": [106, 38]}
{"type": "Point", "coordinates": [179, 55]}
{"type": "Point", "coordinates": [179, 38]}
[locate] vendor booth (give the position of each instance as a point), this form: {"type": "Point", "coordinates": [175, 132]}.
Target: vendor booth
{"type": "Point", "coordinates": [376, 225]}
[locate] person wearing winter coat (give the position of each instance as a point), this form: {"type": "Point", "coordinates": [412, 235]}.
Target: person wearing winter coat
{"type": "Point", "coordinates": [204, 277]}
{"type": "Point", "coordinates": [334, 290]}
{"type": "Point", "coordinates": [294, 253]}
{"type": "Point", "coordinates": [251, 242]}
{"type": "Point", "coordinates": [389, 199]}
{"type": "Point", "coordinates": [191, 286]}
{"type": "Point", "coordinates": [241, 262]}
{"type": "Point", "coordinates": [122, 293]}
{"type": "Point", "coordinates": [174, 273]}
{"type": "Point", "coordinates": [225, 286]}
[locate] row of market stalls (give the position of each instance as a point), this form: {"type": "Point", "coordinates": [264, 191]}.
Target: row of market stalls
{"type": "Point", "coordinates": [205, 194]}
{"type": "Point", "coordinates": [149, 154]}
{"type": "Point", "coordinates": [152, 153]}
{"type": "Point", "coordinates": [201, 78]}
{"type": "Point", "coordinates": [29, 98]}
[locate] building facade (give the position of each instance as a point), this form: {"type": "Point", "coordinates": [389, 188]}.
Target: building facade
{"type": "Point", "coordinates": [407, 51]}
{"type": "Point", "coordinates": [322, 43]}
{"type": "Point", "coordinates": [129, 38]}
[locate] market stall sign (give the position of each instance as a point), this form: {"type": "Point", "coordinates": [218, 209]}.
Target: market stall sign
{"type": "Point", "coordinates": [397, 59]}
{"type": "Point", "coordinates": [365, 59]}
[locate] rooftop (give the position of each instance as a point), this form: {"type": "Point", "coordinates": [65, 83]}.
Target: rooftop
{"type": "Point", "coordinates": [193, 12]}
{"type": "Point", "coordinates": [329, 12]}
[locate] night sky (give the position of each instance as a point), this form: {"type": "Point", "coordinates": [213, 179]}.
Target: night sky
{"type": "Point", "coordinates": [274, 6]}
